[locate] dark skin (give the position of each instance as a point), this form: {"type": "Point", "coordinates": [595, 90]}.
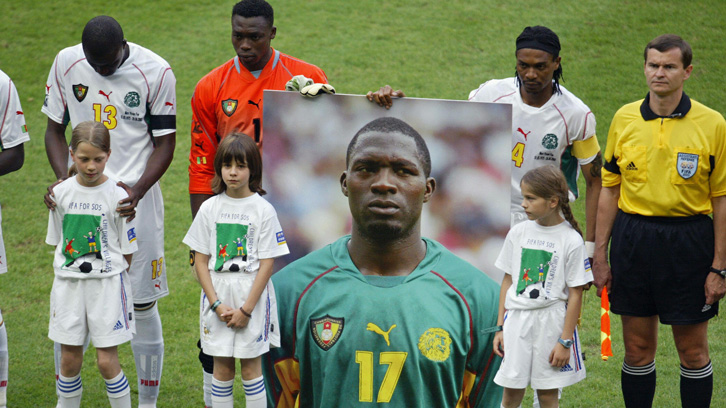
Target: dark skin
{"type": "Point", "coordinates": [386, 188]}
{"type": "Point", "coordinates": [251, 38]}
{"type": "Point", "coordinates": [56, 145]}
{"type": "Point", "coordinates": [12, 159]}
{"type": "Point", "coordinates": [536, 69]}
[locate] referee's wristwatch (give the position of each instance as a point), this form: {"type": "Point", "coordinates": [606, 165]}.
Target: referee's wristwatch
{"type": "Point", "coordinates": [719, 272]}
{"type": "Point", "coordinates": [565, 343]}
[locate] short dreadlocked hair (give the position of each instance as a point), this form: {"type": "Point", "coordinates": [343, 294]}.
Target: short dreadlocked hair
{"type": "Point", "coordinates": [542, 38]}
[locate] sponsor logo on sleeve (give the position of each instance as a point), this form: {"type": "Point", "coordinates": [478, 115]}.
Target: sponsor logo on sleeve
{"type": "Point", "coordinates": [280, 238]}
{"type": "Point", "coordinates": [131, 235]}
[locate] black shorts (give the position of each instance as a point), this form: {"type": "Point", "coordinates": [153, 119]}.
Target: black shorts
{"type": "Point", "coordinates": [659, 267]}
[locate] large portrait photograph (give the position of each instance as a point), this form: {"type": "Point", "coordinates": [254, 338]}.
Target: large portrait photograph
{"type": "Point", "coordinates": [305, 142]}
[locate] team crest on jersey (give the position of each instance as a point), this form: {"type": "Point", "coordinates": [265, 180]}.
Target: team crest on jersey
{"type": "Point", "coordinates": [549, 141]}
{"type": "Point", "coordinates": [80, 91]}
{"type": "Point", "coordinates": [435, 344]}
{"type": "Point", "coordinates": [132, 100]}
{"type": "Point", "coordinates": [687, 164]}
{"type": "Point", "coordinates": [229, 106]}
{"type": "Point", "coordinates": [326, 331]}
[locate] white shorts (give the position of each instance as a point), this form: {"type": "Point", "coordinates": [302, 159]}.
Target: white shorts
{"type": "Point", "coordinates": [529, 337]}
{"type": "Point", "coordinates": [3, 259]}
{"type": "Point", "coordinates": [148, 266]}
{"type": "Point", "coordinates": [101, 307]}
{"type": "Point", "coordinates": [257, 337]}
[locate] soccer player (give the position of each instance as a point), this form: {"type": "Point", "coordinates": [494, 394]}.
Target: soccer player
{"type": "Point", "coordinates": [131, 90]}
{"type": "Point", "coordinates": [665, 171]}
{"type": "Point", "coordinates": [385, 315]}
{"type": "Point", "coordinates": [229, 99]}
{"type": "Point", "coordinates": [550, 125]}
{"type": "Point", "coordinates": [13, 133]}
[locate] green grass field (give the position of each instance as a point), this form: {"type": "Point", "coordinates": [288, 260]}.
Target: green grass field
{"type": "Point", "coordinates": [430, 49]}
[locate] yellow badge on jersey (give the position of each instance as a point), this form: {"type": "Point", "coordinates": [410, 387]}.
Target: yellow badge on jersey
{"type": "Point", "coordinates": [326, 331]}
{"type": "Point", "coordinates": [435, 344]}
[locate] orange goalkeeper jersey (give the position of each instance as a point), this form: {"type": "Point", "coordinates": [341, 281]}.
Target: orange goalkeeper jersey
{"type": "Point", "coordinates": [229, 99]}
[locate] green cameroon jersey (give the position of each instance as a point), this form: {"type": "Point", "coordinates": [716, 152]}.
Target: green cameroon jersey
{"type": "Point", "coordinates": [422, 340]}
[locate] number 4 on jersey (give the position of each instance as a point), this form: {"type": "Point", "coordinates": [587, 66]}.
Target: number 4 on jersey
{"type": "Point", "coordinates": [518, 154]}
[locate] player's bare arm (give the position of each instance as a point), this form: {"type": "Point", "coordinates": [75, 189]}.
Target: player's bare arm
{"type": "Point", "coordinates": [12, 159]}
{"type": "Point", "coordinates": [593, 184]}
{"type": "Point", "coordinates": [716, 285]}
{"type": "Point", "coordinates": [384, 96]}
{"type": "Point", "coordinates": [498, 345]}
{"type": "Point", "coordinates": [158, 162]}
{"type": "Point", "coordinates": [607, 209]}
{"type": "Point", "coordinates": [56, 147]}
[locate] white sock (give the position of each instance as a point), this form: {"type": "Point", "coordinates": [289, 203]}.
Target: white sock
{"type": "Point", "coordinates": [222, 396]}
{"type": "Point", "coordinates": [207, 388]}
{"type": "Point", "coordinates": [118, 391]}
{"type": "Point", "coordinates": [3, 362]}
{"type": "Point", "coordinates": [255, 396]}
{"type": "Point", "coordinates": [70, 390]}
{"type": "Point", "coordinates": [148, 347]}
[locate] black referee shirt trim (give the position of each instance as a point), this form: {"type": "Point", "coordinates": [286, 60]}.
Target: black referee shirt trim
{"type": "Point", "coordinates": [684, 106]}
{"type": "Point", "coordinates": [162, 122]}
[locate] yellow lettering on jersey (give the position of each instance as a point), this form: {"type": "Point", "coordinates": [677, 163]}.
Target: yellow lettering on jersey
{"type": "Point", "coordinates": [110, 121]}
{"type": "Point", "coordinates": [518, 154]}
{"type": "Point", "coordinates": [395, 361]}
{"type": "Point", "coordinates": [365, 375]}
{"type": "Point", "coordinates": [156, 267]}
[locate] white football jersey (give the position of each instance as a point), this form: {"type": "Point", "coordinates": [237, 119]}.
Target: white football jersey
{"type": "Point", "coordinates": [12, 119]}
{"type": "Point", "coordinates": [136, 102]}
{"type": "Point", "coordinates": [541, 136]}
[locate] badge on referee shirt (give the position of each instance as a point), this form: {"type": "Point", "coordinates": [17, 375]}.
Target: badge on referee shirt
{"type": "Point", "coordinates": [687, 164]}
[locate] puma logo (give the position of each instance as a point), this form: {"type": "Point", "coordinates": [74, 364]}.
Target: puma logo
{"type": "Point", "coordinates": [107, 96]}
{"type": "Point", "coordinates": [375, 329]}
{"type": "Point", "coordinates": [256, 104]}
{"type": "Point", "coordinates": [157, 285]}
{"type": "Point", "coordinates": [200, 145]}
{"type": "Point", "coordinates": [47, 88]}
{"type": "Point", "coordinates": [524, 134]}
{"type": "Point", "coordinates": [168, 104]}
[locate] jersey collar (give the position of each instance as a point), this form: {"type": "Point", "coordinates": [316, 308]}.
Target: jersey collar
{"type": "Point", "coordinates": [684, 106]}
{"type": "Point", "coordinates": [270, 66]}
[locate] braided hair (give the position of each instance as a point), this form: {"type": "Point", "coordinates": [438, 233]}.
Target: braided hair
{"type": "Point", "coordinates": [544, 39]}
{"type": "Point", "coordinates": [548, 182]}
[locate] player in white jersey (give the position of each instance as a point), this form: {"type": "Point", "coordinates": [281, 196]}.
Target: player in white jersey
{"type": "Point", "coordinates": [550, 125]}
{"type": "Point", "coordinates": [13, 133]}
{"type": "Point", "coordinates": [131, 90]}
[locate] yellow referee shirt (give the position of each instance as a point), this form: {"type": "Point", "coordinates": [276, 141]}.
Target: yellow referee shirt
{"type": "Point", "coordinates": [666, 166]}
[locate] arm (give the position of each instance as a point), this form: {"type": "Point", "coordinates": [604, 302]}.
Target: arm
{"type": "Point", "coordinates": [561, 355]}
{"type": "Point", "coordinates": [384, 96]}
{"type": "Point", "coordinates": [11, 159]}
{"type": "Point", "coordinates": [715, 288]}
{"type": "Point", "coordinates": [201, 262]}
{"type": "Point", "coordinates": [606, 211]}
{"type": "Point", "coordinates": [56, 147]}
{"type": "Point", "coordinates": [157, 164]}
{"type": "Point", "coordinates": [593, 185]}
{"type": "Point", "coordinates": [237, 319]}
{"type": "Point", "coordinates": [128, 257]}
{"type": "Point", "coordinates": [499, 336]}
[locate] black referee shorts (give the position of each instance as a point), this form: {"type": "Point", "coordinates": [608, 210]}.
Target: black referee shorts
{"type": "Point", "coordinates": [659, 267]}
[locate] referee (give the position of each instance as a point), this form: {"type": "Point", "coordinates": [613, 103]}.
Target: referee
{"type": "Point", "coordinates": [664, 173]}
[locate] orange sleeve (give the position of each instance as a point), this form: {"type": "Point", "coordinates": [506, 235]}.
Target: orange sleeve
{"type": "Point", "coordinates": [204, 139]}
